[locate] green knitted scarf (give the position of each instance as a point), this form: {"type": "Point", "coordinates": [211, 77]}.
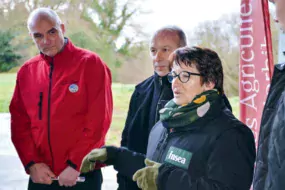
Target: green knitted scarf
{"type": "Point", "coordinates": [181, 115]}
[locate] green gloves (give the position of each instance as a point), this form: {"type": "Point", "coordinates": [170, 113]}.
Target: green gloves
{"type": "Point", "coordinates": [88, 162]}
{"type": "Point", "coordinates": [146, 177]}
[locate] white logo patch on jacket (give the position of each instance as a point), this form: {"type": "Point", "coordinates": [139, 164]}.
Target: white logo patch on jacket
{"type": "Point", "coordinates": [178, 157]}
{"type": "Point", "coordinates": [73, 88]}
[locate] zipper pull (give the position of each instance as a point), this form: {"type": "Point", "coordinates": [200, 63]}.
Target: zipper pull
{"type": "Point", "coordinates": [50, 70]}
{"type": "Point", "coordinates": [165, 138]}
{"type": "Point", "coordinates": [160, 80]}
{"type": "Point", "coordinates": [40, 104]}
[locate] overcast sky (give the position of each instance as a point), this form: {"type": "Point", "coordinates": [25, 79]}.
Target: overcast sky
{"type": "Point", "coordinates": [183, 13]}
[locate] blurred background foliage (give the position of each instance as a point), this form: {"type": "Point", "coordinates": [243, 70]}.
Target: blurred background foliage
{"type": "Point", "coordinates": [101, 25]}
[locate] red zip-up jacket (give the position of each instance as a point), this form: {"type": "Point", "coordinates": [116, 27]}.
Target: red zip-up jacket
{"type": "Point", "coordinates": [61, 108]}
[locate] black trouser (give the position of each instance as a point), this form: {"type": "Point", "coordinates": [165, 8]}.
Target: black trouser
{"type": "Point", "coordinates": [93, 181]}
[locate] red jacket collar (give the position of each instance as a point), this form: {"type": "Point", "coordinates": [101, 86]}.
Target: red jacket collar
{"type": "Point", "coordinates": [66, 52]}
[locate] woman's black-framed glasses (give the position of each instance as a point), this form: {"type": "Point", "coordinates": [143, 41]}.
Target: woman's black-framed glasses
{"type": "Point", "coordinates": [183, 76]}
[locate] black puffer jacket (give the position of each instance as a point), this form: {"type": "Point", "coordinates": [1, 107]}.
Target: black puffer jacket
{"type": "Point", "coordinates": [148, 98]}
{"type": "Point", "coordinates": [270, 163]}
{"type": "Point", "coordinates": [215, 152]}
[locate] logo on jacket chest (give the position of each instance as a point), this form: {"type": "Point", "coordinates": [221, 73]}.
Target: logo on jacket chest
{"type": "Point", "coordinates": [178, 157]}
{"type": "Point", "coordinates": [73, 88]}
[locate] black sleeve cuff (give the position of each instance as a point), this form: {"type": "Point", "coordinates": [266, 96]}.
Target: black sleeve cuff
{"type": "Point", "coordinates": [163, 172]}
{"type": "Point", "coordinates": [112, 152]}
{"type": "Point", "coordinates": [27, 167]}
{"type": "Point", "coordinates": [71, 164]}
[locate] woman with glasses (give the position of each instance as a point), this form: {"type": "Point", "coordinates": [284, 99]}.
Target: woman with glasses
{"type": "Point", "coordinates": [198, 143]}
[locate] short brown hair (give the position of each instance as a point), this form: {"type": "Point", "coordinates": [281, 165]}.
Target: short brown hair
{"type": "Point", "coordinates": [206, 61]}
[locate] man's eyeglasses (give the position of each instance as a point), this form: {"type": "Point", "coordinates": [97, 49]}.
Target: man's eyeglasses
{"type": "Point", "coordinates": [183, 76]}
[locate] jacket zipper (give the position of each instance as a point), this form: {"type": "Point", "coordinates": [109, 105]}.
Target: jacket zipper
{"type": "Point", "coordinates": [49, 109]}
{"type": "Point", "coordinates": [161, 145]}
{"type": "Point", "coordinates": [40, 104]}
{"type": "Point", "coordinates": [158, 102]}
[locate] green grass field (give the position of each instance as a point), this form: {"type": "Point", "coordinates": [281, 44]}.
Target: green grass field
{"type": "Point", "coordinates": [7, 84]}
{"type": "Point", "coordinates": [121, 95]}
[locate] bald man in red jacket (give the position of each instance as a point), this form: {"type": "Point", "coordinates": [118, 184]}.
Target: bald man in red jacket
{"type": "Point", "coordinates": [61, 108]}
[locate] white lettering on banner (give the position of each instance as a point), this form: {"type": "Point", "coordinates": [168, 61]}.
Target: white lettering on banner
{"type": "Point", "coordinates": [248, 81]}
{"type": "Point", "coordinates": [251, 123]}
{"type": "Point", "coordinates": [247, 68]}
{"type": "Point", "coordinates": [265, 69]}
{"type": "Point", "coordinates": [246, 29]}
{"type": "Point", "coordinates": [254, 68]}
{"type": "Point", "coordinates": [249, 37]}
{"type": "Point", "coordinates": [249, 101]}
{"type": "Point", "coordinates": [247, 59]}
{"type": "Point", "coordinates": [248, 87]}
{"type": "Point", "coordinates": [243, 10]}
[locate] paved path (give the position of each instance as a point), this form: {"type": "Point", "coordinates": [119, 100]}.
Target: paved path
{"type": "Point", "coordinates": [12, 174]}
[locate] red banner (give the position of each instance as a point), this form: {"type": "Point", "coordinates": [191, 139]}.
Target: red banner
{"type": "Point", "coordinates": [256, 62]}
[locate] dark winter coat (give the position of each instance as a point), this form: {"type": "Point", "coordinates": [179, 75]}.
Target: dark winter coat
{"type": "Point", "coordinates": [214, 152]}
{"type": "Point", "coordinates": [270, 163]}
{"type": "Point", "coordinates": [148, 98]}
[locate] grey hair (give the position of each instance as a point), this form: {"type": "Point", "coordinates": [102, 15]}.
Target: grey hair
{"type": "Point", "coordinates": [45, 12]}
{"type": "Point", "coordinates": [175, 29]}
